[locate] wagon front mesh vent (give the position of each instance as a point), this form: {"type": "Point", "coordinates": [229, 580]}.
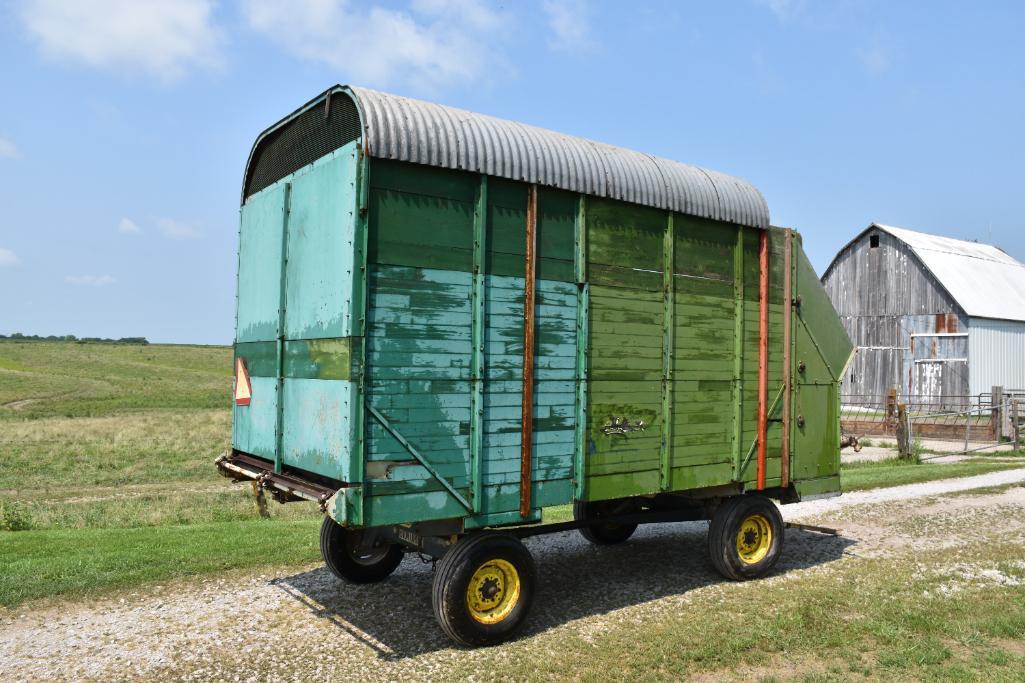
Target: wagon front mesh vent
{"type": "Point", "coordinates": [314, 133]}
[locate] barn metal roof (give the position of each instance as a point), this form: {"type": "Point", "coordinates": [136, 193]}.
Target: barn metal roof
{"type": "Point", "coordinates": [425, 133]}
{"type": "Point", "coordinates": [983, 279]}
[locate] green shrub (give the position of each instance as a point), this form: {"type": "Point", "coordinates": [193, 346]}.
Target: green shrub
{"type": "Point", "coordinates": [15, 516]}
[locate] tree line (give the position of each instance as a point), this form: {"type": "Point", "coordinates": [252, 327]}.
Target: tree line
{"type": "Point", "coordinates": [18, 336]}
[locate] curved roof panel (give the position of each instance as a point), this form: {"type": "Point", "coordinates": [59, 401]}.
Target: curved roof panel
{"type": "Point", "coordinates": [425, 133]}
{"type": "Point", "coordinates": [984, 280]}
{"type": "Point", "coordinates": [421, 132]}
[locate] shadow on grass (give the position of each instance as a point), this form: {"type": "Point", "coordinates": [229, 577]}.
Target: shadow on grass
{"type": "Point", "coordinates": [576, 579]}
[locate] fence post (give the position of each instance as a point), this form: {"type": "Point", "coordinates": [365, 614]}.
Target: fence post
{"type": "Point", "coordinates": [903, 432]}
{"type": "Point", "coordinates": [996, 419]}
{"type": "Point", "coordinates": [891, 405]}
{"type": "Point", "coordinates": [968, 422]}
{"type": "Point", "coordinates": [1015, 425]}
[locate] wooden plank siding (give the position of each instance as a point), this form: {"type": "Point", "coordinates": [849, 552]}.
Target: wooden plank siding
{"type": "Point", "coordinates": [419, 353]}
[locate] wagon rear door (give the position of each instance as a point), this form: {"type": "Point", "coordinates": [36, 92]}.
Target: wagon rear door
{"type": "Point", "coordinates": [295, 321]}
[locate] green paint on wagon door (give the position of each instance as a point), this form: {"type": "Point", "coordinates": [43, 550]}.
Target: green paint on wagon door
{"type": "Point", "coordinates": [317, 429]}
{"type": "Point", "coordinates": [257, 318]}
{"type": "Point", "coordinates": [297, 342]}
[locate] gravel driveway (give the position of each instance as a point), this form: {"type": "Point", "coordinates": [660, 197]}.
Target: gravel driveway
{"type": "Point", "coordinates": [304, 624]}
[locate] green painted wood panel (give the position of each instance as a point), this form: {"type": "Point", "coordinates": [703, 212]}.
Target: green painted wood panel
{"type": "Point", "coordinates": [259, 271]}
{"type": "Point", "coordinates": [318, 432]}
{"type": "Point", "coordinates": [419, 368]}
{"type": "Point", "coordinates": [320, 266]}
{"type": "Point", "coordinates": [253, 425]}
{"type": "Point", "coordinates": [418, 353]}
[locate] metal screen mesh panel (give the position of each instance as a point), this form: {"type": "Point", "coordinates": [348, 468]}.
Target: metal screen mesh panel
{"type": "Point", "coordinates": [302, 141]}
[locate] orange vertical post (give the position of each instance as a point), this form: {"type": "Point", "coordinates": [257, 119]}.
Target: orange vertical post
{"type": "Point", "coordinates": [527, 428]}
{"type": "Point", "coordinates": [788, 305]}
{"type": "Point", "coordinates": [763, 353]}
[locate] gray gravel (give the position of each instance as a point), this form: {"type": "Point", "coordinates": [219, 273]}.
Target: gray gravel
{"type": "Point", "coordinates": [304, 624]}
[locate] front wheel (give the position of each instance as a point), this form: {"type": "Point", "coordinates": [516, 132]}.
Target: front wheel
{"type": "Point", "coordinates": [483, 588]}
{"type": "Point", "coordinates": [350, 559]}
{"type": "Point", "coordinates": [745, 538]}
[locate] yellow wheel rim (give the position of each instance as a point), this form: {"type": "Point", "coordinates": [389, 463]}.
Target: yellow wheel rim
{"type": "Point", "coordinates": [754, 538]}
{"type": "Point", "coordinates": [493, 591]}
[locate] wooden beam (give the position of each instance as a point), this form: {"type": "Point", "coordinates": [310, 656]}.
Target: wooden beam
{"type": "Point", "coordinates": [527, 418]}
{"type": "Point", "coordinates": [788, 297]}
{"type": "Point", "coordinates": [763, 354]}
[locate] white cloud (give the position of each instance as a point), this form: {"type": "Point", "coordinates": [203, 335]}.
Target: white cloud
{"type": "Point", "coordinates": [8, 258]}
{"type": "Point", "coordinates": [128, 227]}
{"type": "Point", "coordinates": [165, 38]}
{"type": "Point", "coordinates": [8, 149]}
{"type": "Point", "coordinates": [89, 280]}
{"type": "Point", "coordinates": [432, 44]}
{"type": "Point", "coordinates": [569, 22]}
{"type": "Point", "coordinates": [177, 230]}
{"type": "Point", "coordinates": [875, 59]}
{"type": "Point", "coordinates": [784, 9]}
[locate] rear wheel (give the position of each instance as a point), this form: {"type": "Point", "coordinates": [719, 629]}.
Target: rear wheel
{"type": "Point", "coordinates": [349, 558]}
{"type": "Point", "coordinates": [483, 588]}
{"type": "Point", "coordinates": [745, 538]}
{"type": "Point", "coordinates": [604, 533]}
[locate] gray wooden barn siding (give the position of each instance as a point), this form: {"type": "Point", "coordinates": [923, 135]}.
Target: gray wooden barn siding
{"type": "Point", "coordinates": [884, 295]}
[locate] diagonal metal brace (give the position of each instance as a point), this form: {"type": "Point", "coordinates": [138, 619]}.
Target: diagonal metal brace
{"type": "Point", "coordinates": [383, 421]}
{"type": "Point", "coordinates": [754, 444]}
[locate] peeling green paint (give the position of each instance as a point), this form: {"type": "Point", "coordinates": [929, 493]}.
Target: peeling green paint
{"type": "Point", "coordinates": [404, 293]}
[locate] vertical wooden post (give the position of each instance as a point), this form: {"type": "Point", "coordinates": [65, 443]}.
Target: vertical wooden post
{"type": "Point", "coordinates": [583, 293]}
{"type": "Point", "coordinates": [668, 330]}
{"type": "Point", "coordinates": [738, 354]}
{"type": "Point", "coordinates": [477, 309]}
{"type": "Point", "coordinates": [903, 432]}
{"type": "Point", "coordinates": [763, 354]}
{"type": "Point", "coordinates": [527, 430]}
{"type": "Point", "coordinates": [788, 281]}
{"type": "Point", "coordinates": [996, 417]}
{"type": "Point", "coordinates": [1015, 424]}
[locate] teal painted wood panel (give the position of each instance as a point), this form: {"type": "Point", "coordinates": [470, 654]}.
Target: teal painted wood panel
{"type": "Point", "coordinates": [259, 268]}
{"type": "Point", "coordinates": [321, 230]}
{"type": "Point", "coordinates": [418, 363]}
{"type": "Point", "coordinates": [317, 433]}
{"type": "Point", "coordinates": [252, 426]}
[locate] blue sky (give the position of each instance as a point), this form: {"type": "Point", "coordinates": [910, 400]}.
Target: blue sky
{"type": "Point", "coordinates": [125, 124]}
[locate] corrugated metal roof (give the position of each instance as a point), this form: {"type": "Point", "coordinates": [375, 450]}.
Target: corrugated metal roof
{"type": "Point", "coordinates": [426, 133]}
{"type": "Point", "coordinates": [984, 280]}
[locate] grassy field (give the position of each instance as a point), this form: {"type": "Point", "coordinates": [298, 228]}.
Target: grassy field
{"type": "Point", "coordinates": [107, 481]}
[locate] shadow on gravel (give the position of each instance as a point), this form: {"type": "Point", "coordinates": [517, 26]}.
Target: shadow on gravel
{"type": "Point", "coordinates": [395, 617]}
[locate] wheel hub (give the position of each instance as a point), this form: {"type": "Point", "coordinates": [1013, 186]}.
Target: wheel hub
{"type": "Point", "coordinates": [754, 539]}
{"type": "Point", "coordinates": [493, 591]}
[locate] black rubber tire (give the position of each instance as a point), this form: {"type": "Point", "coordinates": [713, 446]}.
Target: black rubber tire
{"type": "Point", "coordinates": [452, 579]}
{"type": "Point", "coordinates": [337, 547]}
{"type": "Point", "coordinates": [723, 531]}
{"type": "Point", "coordinates": [603, 534]}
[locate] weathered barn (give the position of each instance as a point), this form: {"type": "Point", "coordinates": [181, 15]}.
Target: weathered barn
{"type": "Point", "coordinates": [931, 316]}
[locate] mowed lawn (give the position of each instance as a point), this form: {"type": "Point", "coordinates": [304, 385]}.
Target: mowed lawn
{"type": "Point", "coordinates": [107, 478]}
{"type": "Point", "coordinates": [106, 472]}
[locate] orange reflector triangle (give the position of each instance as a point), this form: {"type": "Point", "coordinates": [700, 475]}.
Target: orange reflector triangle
{"type": "Point", "coordinates": [243, 389]}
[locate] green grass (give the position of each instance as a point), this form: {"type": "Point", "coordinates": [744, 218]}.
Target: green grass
{"type": "Point", "coordinates": [108, 472]}
{"type": "Point", "coordinates": [876, 474]}
{"type": "Point", "coordinates": [42, 564]}
{"type": "Point", "coordinates": [65, 379]}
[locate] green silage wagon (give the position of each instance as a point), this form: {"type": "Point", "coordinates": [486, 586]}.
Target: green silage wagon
{"type": "Point", "coordinates": [447, 322]}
